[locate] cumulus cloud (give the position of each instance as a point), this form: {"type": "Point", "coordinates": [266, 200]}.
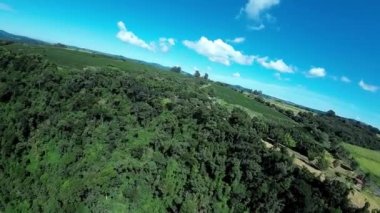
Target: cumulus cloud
{"type": "Point", "coordinates": [237, 40]}
{"type": "Point", "coordinates": [166, 43]}
{"type": "Point", "coordinates": [255, 8]}
{"type": "Point", "coordinates": [368, 87]}
{"type": "Point", "coordinates": [5, 7]}
{"type": "Point", "coordinates": [218, 51]}
{"type": "Point", "coordinates": [278, 65]}
{"type": "Point", "coordinates": [345, 79]}
{"type": "Point", "coordinates": [127, 36]}
{"type": "Point", "coordinates": [317, 72]}
{"type": "Point", "coordinates": [236, 75]}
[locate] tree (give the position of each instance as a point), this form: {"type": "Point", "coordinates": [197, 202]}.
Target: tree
{"type": "Point", "coordinates": [330, 113]}
{"type": "Point", "coordinates": [197, 74]}
{"type": "Point", "coordinates": [257, 92]}
{"type": "Point", "coordinates": [289, 141]}
{"type": "Point", "coordinates": [176, 69]}
{"type": "Point", "coordinates": [205, 76]}
{"type": "Point", "coordinates": [323, 163]}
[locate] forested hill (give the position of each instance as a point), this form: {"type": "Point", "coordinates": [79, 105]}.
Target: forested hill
{"type": "Point", "coordinates": [86, 132]}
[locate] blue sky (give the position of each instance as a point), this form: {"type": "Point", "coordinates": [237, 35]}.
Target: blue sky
{"type": "Point", "coordinates": [319, 53]}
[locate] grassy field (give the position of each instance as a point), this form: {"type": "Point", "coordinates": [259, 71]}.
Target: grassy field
{"type": "Point", "coordinates": [369, 160]}
{"type": "Point", "coordinates": [235, 98]}
{"type": "Point", "coordinates": [285, 106]}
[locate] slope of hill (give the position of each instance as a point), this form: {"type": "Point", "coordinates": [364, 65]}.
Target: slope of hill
{"type": "Point", "coordinates": [260, 109]}
{"type": "Point", "coordinates": [16, 38]}
{"type": "Point", "coordinates": [83, 131]}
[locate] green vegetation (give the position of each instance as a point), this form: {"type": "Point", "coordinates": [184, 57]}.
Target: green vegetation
{"type": "Point", "coordinates": [87, 132]}
{"type": "Point", "coordinates": [369, 160]}
{"type": "Point", "coordinates": [323, 163]}
{"type": "Point", "coordinates": [236, 98]}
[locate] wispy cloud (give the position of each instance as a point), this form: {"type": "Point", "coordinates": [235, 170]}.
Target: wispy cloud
{"type": "Point", "coordinates": [345, 79]}
{"type": "Point", "coordinates": [277, 65]}
{"type": "Point", "coordinates": [259, 27]}
{"type": "Point", "coordinates": [257, 11]}
{"type": "Point", "coordinates": [6, 7]}
{"type": "Point", "coordinates": [317, 72]}
{"type": "Point", "coordinates": [165, 44]}
{"type": "Point", "coordinates": [237, 40]}
{"type": "Point", "coordinates": [368, 87]}
{"type": "Point", "coordinates": [219, 51]}
{"type": "Point", "coordinates": [236, 75]}
{"type": "Point", "coordinates": [127, 36]}
{"type": "Point", "coordinates": [255, 8]}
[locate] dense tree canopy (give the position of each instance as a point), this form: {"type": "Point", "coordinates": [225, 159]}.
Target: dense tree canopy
{"type": "Point", "coordinates": [108, 139]}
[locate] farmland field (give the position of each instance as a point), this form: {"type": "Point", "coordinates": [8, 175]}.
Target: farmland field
{"type": "Point", "coordinates": [236, 98]}
{"type": "Point", "coordinates": [369, 160]}
{"type": "Point", "coordinates": [286, 106]}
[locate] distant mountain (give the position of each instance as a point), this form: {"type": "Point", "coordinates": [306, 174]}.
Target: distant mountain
{"type": "Point", "coordinates": [23, 39]}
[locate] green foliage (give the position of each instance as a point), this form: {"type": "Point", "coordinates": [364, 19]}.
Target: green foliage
{"type": "Point", "coordinates": [289, 141]}
{"type": "Point", "coordinates": [123, 136]}
{"type": "Point", "coordinates": [176, 69]}
{"type": "Point", "coordinates": [323, 163]}
{"type": "Point", "coordinates": [205, 76]}
{"type": "Point", "coordinates": [328, 127]}
{"type": "Point", "coordinates": [197, 74]}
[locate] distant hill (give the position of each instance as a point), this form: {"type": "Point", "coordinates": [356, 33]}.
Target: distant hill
{"type": "Point", "coordinates": [16, 38]}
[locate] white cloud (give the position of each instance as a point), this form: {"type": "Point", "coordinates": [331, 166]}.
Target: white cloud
{"type": "Point", "coordinates": [345, 79]}
{"type": "Point", "coordinates": [278, 65]}
{"type": "Point", "coordinates": [130, 38]}
{"type": "Point", "coordinates": [367, 87]}
{"type": "Point", "coordinates": [257, 27]}
{"type": "Point", "coordinates": [236, 75]}
{"type": "Point", "coordinates": [255, 8]}
{"type": "Point", "coordinates": [237, 40]}
{"type": "Point", "coordinates": [218, 51]}
{"type": "Point", "coordinates": [317, 72]}
{"type": "Point", "coordinates": [6, 7]}
{"type": "Point", "coordinates": [166, 43]}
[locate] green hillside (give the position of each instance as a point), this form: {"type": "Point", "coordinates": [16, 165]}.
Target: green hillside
{"type": "Point", "coordinates": [81, 131]}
